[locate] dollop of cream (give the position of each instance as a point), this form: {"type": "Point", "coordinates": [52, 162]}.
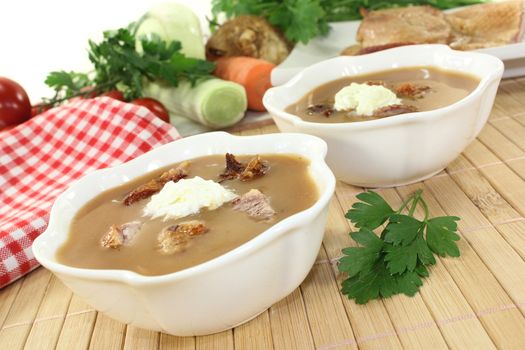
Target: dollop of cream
{"type": "Point", "coordinates": [364, 98]}
{"type": "Point", "coordinates": [186, 197]}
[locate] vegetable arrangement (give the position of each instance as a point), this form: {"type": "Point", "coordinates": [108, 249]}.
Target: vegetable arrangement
{"type": "Point", "coordinates": [397, 260]}
{"type": "Point", "coordinates": [159, 63]}
{"type": "Point", "coordinates": [302, 20]}
{"type": "Point", "coordinates": [119, 66]}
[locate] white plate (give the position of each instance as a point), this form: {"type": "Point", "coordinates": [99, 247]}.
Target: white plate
{"type": "Point", "coordinates": [343, 35]}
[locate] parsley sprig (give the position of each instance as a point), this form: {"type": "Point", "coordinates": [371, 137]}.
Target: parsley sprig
{"type": "Point", "coordinates": [119, 65]}
{"type": "Point", "coordinates": [396, 261]}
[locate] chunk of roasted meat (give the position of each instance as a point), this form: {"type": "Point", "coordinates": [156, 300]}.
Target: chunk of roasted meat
{"type": "Point", "coordinates": [150, 188]}
{"type": "Point", "coordinates": [410, 90]}
{"type": "Point", "coordinates": [255, 204]}
{"type": "Point", "coordinates": [119, 235]}
{"type": "Point", "coordinates": [391, 110]}
{"type": "Point", "coordinates": [256, 167]}
{"type": "Point", "coordinates": [413, 24]}
{"type": "Point", "coordinates": [176, 238]}
{"type": "Point", "coordinates": [486, 25]}
{"type": "Point", "coordinates": [233, 168]}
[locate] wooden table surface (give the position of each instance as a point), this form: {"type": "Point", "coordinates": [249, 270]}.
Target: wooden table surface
{"type": "Point", "coordinates": [476, 301]}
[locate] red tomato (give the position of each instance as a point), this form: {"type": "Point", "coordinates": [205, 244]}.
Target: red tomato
{"type": "Point", "coordinates": [15, 107]}
{"type": "Point", "coordinates": [7, 128]}
{"type": "Point", "coordinates": [114, 94]}
{"type": "Point", "coordinates": [154, 106]}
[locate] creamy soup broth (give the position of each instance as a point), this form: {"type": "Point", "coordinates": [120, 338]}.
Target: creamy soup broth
{"type": "Point", "coordinates": [287, 183]}
{"type": "Point", "coordinates": [444, 88]}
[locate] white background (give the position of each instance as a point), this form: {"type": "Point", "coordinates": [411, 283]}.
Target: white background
{"type": "Point", "coordinates": [37, 37]}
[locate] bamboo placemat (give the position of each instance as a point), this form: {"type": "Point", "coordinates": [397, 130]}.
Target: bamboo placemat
{"type": "Point", "coordinates": [476, 301]}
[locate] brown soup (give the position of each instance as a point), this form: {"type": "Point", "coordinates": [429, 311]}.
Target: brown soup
{"type": "Point", "coordinates": [286, 184]}
{"type": "Point", "coordinates": [419, 88]}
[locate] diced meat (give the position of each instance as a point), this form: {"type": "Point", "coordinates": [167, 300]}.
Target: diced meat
{"type": "Point", "coordinates": [192, 228]}
{"type": "Point", "coordinates": [176, 238]}
{"type": "Point", "coordinates": [398, 26]}
{"type": "Point", "coordinates": [486, 25]}
{"type": "Point", "coordinates": [118, 236]}
{"type": "Point", "coordinates": [411, 90]}
{"type": "Point", "coordinates": [171, 241]}
{"type": "Point", "coordinates": [255, 204]}
{"type": "Point", "coordinates": [391, 110]}
{"type": "Point", "coordinates": [255, 168]}
{"type": "Point", "coordinates": [376, 83]}
{"type": "Point", "coordinates": [324, 109]}
{"type": "Point", "coordinates": [113, 238]}
{"type": "Point", "coordinates": [130, 230]}
{"type": "Point", "coordinates": [234, 169]}
{"type": "Point", "coordinates": [150, 188]}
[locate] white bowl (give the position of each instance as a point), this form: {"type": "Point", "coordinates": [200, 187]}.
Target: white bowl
{"type": "Point", "coordinates": [401, 149]}
{"type": "Point", "coordinates": [220, 293]}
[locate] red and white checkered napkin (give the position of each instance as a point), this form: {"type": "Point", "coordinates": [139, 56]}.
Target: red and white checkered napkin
{"type": "Point", "coordinates": [41, 157]}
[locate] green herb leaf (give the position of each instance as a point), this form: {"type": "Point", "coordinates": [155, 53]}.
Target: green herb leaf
{"type": "Point", "coordinates": [357, 259]}
{"type": "Point", "coordinates": [370, 284]}
{"type": "Point", "coordinates": [442, 236]}
{"type": "Point", "coordinates": [406, 257]}
{"type": "Point", "coordinates": [371, 213]}
{"type": "Point", "coordinates": [119, 65]}
{"type": "Point", "coordinates": [294, 18]}
{"type": "Point", "coordinates": [396, 261]}
{"type": "Point", "coordinates": [422, 270]}
{"type": "Point", "coordinates": [402, 229]}
{"type": "Point", "coordinates": [408, 283]}
{"type": "Point", "coordinates": [68, 82]}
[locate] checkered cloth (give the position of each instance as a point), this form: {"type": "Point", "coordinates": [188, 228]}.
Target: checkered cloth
{"type": "Point", "coordinates": [41, 157]}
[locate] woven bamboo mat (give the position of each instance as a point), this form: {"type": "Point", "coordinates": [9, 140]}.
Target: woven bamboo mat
{"type": "Point", "coordinates": [476, 301]}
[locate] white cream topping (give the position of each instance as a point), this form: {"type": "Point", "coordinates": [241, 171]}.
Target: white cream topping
{"type": "Point", "coordinates": [186, 197]}
{"type": "Point", "coordinates": [364, 98]}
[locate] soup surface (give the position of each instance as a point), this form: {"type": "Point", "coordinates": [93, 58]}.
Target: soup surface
{"type": "Point", "coordinates": [418, 88]}
{"type": "Point", "coordinates": [286, 184]}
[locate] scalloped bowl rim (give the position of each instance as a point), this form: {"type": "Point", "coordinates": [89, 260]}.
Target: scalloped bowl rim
{"type": "Point", "coordinates": [135, 279]}
{"type": "Point", "coordinates": [381, 55]}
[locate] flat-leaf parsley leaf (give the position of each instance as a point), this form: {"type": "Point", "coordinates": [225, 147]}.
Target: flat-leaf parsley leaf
{"type": "Point", "coordinates": [371, 212]}
{"type": "Point", "coordinates": [395, 261]}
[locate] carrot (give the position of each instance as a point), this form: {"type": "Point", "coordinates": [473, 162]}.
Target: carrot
{"type": "Point", "coordinates": [252, 73]}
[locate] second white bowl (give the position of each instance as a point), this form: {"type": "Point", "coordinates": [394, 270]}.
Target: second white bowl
{"type": "Point", "coordinates": [401, 149]}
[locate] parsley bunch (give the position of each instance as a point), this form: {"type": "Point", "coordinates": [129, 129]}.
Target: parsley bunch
{"type": "Point", "coordinates": [119, 65]}
{"type": "Point", "coordinates": [397, 260]}
{"type": "Point", "coordinates": [302, 20]}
